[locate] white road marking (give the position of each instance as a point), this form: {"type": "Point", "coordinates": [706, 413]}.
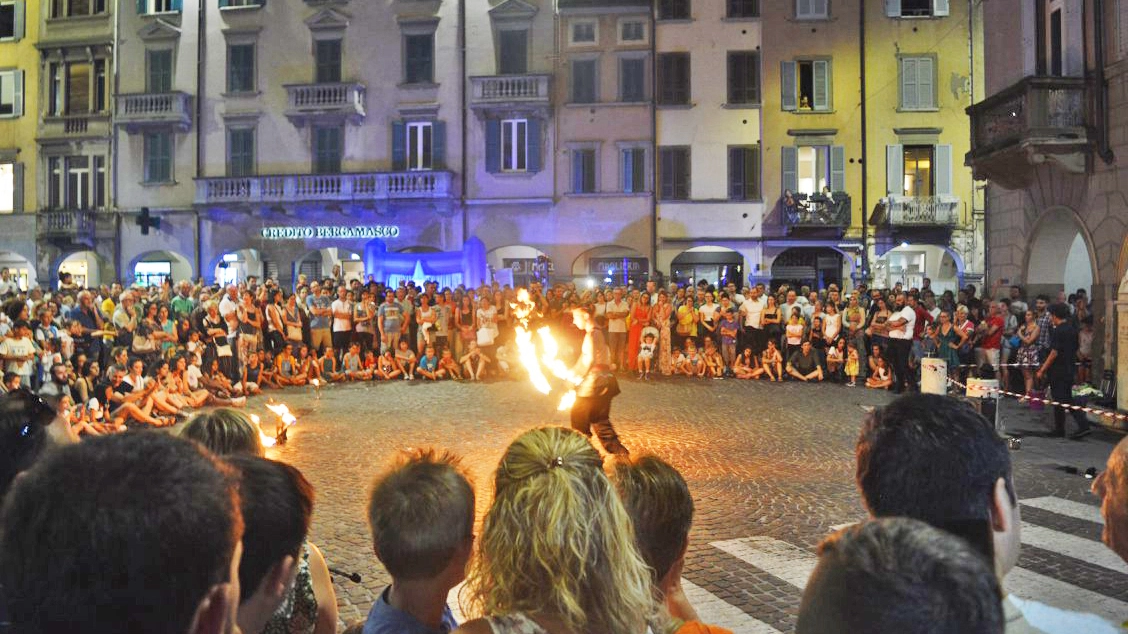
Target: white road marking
{"type": "Point", "coordinates": [1061, 543]}
{"type": "Point", "coordinates": [1077, 510]}
{"type": "Point", "coordinates": [714, 610]}
{"type": "Point", "coordinates": [1044, 589]}
{"type": "Point", "coordinates": [777, 558]}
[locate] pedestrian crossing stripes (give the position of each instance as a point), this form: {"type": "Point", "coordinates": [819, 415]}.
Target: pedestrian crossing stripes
{"type": "Point", "coordinates": [793, 565]}
{"type": "Point", "coordinates": [1069, 508]}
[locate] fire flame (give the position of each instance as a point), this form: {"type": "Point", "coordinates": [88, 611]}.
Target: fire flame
{"type": "Point", "coordinates": [527, 352]}
{"type": "Point", "coordinates": [266, 441]}
{"type": "Point", "coordinates": [283, 413]}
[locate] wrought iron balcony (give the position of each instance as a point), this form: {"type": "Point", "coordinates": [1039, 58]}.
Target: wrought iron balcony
{"type": "Point", "coordinates": [1039, 119]}
{"type": "Point", "coordinates": [154, 111]}
{"type": "Point", "coordinates": [75, 126]}
{"type": "Point", "coordinates": [325, 102]}
{"type": "Point", "coordinates": [70, 226]}
{"type": "Point", "coordinates": [817, 212]}
{"type": "Point", "coordinates": [509, 89]}
{"type": "Point", "coordinates": [923, 211]}
{"type": "Point", "coordinates": [374, 186]}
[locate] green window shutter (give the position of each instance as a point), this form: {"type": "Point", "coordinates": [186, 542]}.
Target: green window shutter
{"type": "Point", "coordinates": [493, 146]}
{"type": "Point", "coordinates": [177, 5]}
{"type": "Point", "coordinates": [893, 8]}
{"type": "Point", "coordinates": [628, 170]}
{"type": "Point", "coordinates": [399, 146]}
{"type": "Point", "coordinates": [909, 83]}
{"type": "Point", "coordinates": [821, 99]}
{"type": "Point", "coordinates": [577, 171]}
{"type": "Point", "coordinates": [787, 84]}
{"type": "Point", "coordinates": [18, 31]}
{"type": "Point", "coordinates": [438, 145]}
{"type": "Point", "coordinates": [926, 97]}
{"type": "Point", "coordinates": [943, 166]}
{"type": "Point", "coordinates": [224, 3]}
{"type": "Point", "coordinates": [789, 160]}
{"type": "Point", "coordinates": [837, 168]}
{"type": "Point", "coordinates": [533, 146]}
{"type": "Point", "coordinates": [143, 7]}
{"type": "Point", "coordinates": [895, 169]}
{"type": "Point", "coordinates": [940, 7]}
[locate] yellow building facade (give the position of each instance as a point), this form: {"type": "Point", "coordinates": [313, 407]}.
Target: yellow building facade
{"type": "Point", "coordinates": [19, 108]}
{"type": "Point", "coordinates": [865, 124]}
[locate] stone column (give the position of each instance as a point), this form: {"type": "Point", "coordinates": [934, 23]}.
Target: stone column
{"type": "Point", "coordinates": [1121, 345]}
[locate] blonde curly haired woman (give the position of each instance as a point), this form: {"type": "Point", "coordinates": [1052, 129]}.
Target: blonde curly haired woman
{"type": "Point", "coordinates": [557, 552]}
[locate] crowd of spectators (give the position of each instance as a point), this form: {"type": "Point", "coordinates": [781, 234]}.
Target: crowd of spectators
{"type": "Point", "coordinates": [146, 532]}
{"type": "Point", "coordinates": [116, 356]}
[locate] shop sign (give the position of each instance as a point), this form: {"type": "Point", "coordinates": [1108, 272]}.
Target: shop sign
{"type": "Point", "coordinates": [330, 232]}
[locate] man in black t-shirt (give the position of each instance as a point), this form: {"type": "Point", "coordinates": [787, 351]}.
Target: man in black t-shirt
{"type": "Point", "coordinates": [1059, 367]}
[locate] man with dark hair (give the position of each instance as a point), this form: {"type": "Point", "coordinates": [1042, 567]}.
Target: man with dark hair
{"type": "Point", "coordinates": [421, 513]}
{"type": "Point", "coordinates": [900, 575]}
{"type": "Point", "coordinates": [24, 418]}
{"type": "Point", "coordinates": [936, 459]}
{"type": "Point", "coordinates": [901, 325]}
{"type": "Point", "coordinates": [592, 409]}
{"type": "Point", "coordinates": [134, 533]}
{"type": "Point", "coordinates": [1059, 366]}
{"type": "Point", "coordinates": [277, 504]}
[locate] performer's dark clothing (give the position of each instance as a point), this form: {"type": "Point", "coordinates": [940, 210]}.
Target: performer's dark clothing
{"type": "Point", "coordinates": [592, 410]}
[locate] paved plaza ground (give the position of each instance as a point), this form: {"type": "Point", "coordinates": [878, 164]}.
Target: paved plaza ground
{"type": "Point", "coordinates": [770, 466]}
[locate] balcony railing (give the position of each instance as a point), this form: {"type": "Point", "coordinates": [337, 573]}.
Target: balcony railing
{"type": "Point", "coordinates": [324, 188]}
{"type": "Point", "coordinates": [818, 211]}
{"type": "Point", "coordinates": [312, 102]}
{"type": "Point", "coordinates": [144, 111]}
{"type": "Point", "coordinates": [923, 211]}
{"type": "Point", "coordinates": [72, 225]}
{"type": "Point", "coordinates": [75, 125]}
{"type": "Point", "coordinates": [500, 89]}
{"type": "Point", "coordinates": [1039, 116]}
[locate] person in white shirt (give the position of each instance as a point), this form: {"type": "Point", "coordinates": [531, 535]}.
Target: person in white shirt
{"type": "Point", "coordinates": [901, 324]}
{"type": "Point", "coordinates": [342, 309]}
{"type": "Point", "coordinates": [18, 352]}
{"type": "Point", "coordinates": [7, 284]}
{"type": "Point", "coordinates": [230, 301]}
{"type": "Point", "coordinates": [751, 316]}
{"type": "Point", "coordinates": [617, 309]}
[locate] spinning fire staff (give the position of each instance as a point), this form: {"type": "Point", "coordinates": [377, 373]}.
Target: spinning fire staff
{"type": "Point", "coordinates": [592, 409]}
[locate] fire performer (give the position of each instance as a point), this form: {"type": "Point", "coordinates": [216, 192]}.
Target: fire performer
{"type": "Point", "coordinates": [592, 409]}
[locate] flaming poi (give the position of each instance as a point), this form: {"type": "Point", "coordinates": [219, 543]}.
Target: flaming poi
{"type": "Point", "coordinates": [285, 420]}
{"type": "Point", "coordinates": [267, 441]}
{"type": "Point", "coordinates": [527, 352]}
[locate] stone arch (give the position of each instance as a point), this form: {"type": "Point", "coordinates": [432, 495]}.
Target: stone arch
{"type": "Point", "coordinates": [1059, 254]}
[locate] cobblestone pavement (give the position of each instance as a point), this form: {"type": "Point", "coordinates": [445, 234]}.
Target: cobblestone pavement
{"type": "Point", "coordinates": [770, 467]}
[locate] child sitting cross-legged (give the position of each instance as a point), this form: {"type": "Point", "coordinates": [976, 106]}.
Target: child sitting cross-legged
{"type": "Point", "coordinates": [646, 352]}
{"type": "Point", "coordinates": [429, 365]}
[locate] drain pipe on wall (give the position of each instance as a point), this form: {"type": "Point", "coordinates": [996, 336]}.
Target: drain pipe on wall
{"type": "Point", "coordinates": [654, 142]}
{"type": "Point", "coordinates": [1103, 149]}
{"type": "Point", "coordinates": [201, 63]}
{"type": "Point", "coordinates": [465, 119]}
{"type": "Point", "coordinates": [865, 133]}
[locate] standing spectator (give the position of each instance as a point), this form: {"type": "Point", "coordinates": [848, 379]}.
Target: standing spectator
{"type": "Point", "coordinates": [686, 317]}
{"type": "Point", "coordinates": [183, 304]}
{"type": "Point", "coordinates": [1045, 327]}
{"type": "Point", "coordinates": [464, 324]}
{"type": "Point", "coordinates": [292, 318]}
{"type": "Point", "coordinates": [18, 353]}
{"type": "Point", "coordinates": [342, 309]}
{"type": "Point", "coordinates": [990, 335]}
{"type": "Point", "coordinates": [752, 313]}
{"type": "Point", "coordinates": [660, 318]}
{"type": "Point", "coordinates": [320, 319]}
{"type": "Point", "coordinates": [616, 310]}
{"type": "Point", "coordinates": [425, 316]}
{"type": "Point", "coordinates": [230, 300]}
{"type": "Point", "coordinates": [901, 326]}
{"type": "Point", "coordinates": [390, 322]}
{"type": "Point", "coordinates": [878, 325]}
{"type": "Point", "coordinates": [1059, 367]}
{"type": "Point", "coordinates": [640, 314]}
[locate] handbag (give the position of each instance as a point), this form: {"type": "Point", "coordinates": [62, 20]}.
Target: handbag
{"type": "Point", "coordinates": [485, 336]}
{"type": "Point", "coordinates": [223, 350]}
{"type": "Point", "coordinates": [293, 333]}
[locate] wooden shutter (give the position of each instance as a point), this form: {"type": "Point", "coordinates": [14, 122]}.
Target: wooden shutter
{"type": "Point", "coordinates": [926, 94]}
{"type": "Point", "coordinates": [628, 170]}
{"type": "Point", "coordinates": [681, 191]}
{"type": "Point", "coordinates": [909, 83]}
{"type": "Point", "coordinates": [17, 96]}
{"type": "Point", "coordinates": [736, 173]}
{"type": "Point", "coordinates": [399, 146]}
{"type": "Point", "coordinates": [18, 30]}
{"type": "Point", "coordinates": [787, 83]}
{"type": "Point", "coordinates": [438, 145]}
{"type": "Point", "coordinates": [895, 170]}
{"type": "Point", "coordinates": [821, 69]}
{"type": "Point", "coordinates": [177, 5]}
{"type": "Point", "coordinates": [940, 7]}
{"type": "Point", "coordinates": [893, 8]}
{"type": "Point", "coordinates": [493, 145]}
{"type": "Point", "coordinates": [837, 168]}
{"type": "Point", "coordinates": [533, 146]}
{"type": "Point", "coordinates": [577, 171]}
{"type": "Point", "coordinates": [18, 186]}
{"type": "Point", "coordinates": [790, 168]}
{"type": "Point", "coordinates": [942, 156]}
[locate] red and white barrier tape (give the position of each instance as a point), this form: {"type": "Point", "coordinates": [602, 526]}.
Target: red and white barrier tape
{"type": "Point", "coordinates": [994, 390]}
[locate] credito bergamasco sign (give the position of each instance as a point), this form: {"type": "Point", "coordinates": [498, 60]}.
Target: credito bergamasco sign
{"type": "Point", "coordinates": [330, 232]}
